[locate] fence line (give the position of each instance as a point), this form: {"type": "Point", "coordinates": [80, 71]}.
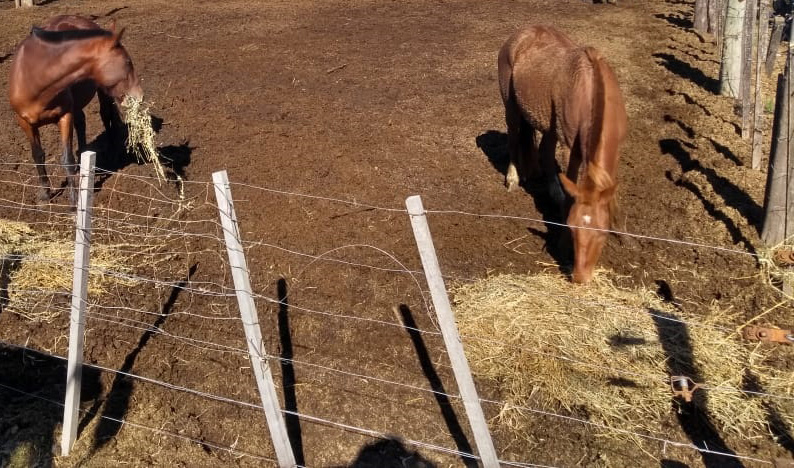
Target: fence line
{"type": "Point", "coordinates": [370, 206]}
{"type": "Point", "coordinates": [659, 380]}
{"type": "Point", "coordinates": [123, 422]}
{"type": "Point", "coordinates": [666, 442]}
{"type": "Point", "coordinates": [183, 286]}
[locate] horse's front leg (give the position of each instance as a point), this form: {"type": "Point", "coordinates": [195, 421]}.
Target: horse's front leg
{"type": "Point", "coordinates": [66, 126]}
{"type": "Point", "coordinates": [38, 159]}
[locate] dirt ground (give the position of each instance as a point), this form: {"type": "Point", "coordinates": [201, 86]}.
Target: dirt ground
{"type": "Point", "coordinates": [371, 101]}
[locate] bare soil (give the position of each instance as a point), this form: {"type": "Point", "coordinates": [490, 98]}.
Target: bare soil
{"type": "Point", "coordinates": [371, 101]}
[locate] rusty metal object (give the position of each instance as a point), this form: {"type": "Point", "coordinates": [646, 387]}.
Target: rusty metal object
{"type": "Point", "coordinates": [683, 386]}
{"type": "Point", "coordinates": [774, 335]}
{"type": "Point", "coordinates": [784, 257]}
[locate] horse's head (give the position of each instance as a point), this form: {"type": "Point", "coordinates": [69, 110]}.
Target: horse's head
{"type": "Point", "coordinates": [589, 219]}
{"type": "Point", "coordinates": [113, 69]}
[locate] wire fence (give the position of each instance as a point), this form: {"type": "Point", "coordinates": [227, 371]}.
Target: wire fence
{"type": "Point", "coordinates": [173, 283]}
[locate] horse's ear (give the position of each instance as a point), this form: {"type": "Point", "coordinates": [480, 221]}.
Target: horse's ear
{"type": "Point", "coordinates": [117, 35]}
{"type": "Point", "coordinates": [569, 185]}
{"type": "Point", "coordinates": [607, 194]}
{"type": "Point", "coordinates": [112, 27]}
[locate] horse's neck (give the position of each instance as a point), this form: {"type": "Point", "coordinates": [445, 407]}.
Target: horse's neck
{"type": "Point", "coordinates": [57, 68]}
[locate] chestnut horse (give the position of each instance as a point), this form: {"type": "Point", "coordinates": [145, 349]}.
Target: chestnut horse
{"type": "Point", "coordinates": [568, 93]}
{"type": "Point", "coordinates": [56, 72]}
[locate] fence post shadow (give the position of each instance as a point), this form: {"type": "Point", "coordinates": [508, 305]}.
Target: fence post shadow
{"type": "Point", "coordinates": [118, 397]}
{"type": "Point", "coordinates": [448, 413]}
{"type": "Point", "coordinates": [675, 341]}
{"type": "Point", "coordinates": [292, 421]}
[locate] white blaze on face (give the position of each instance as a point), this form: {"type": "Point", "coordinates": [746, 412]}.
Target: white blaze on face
{"type": "Point", "coordinates": [586, 220]}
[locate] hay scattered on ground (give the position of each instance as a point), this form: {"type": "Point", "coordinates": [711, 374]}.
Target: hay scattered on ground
{"type": "Point", "coordinates": [606, 354]}
{"type": "Point", "coordinates": [37, 270]}
{"type": "Point", "coordinates": [141, 134]}
{"type": "Point", "coordinates": [777, 266]}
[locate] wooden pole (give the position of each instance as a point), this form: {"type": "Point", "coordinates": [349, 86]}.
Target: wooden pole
{"type": "Point", "coordinates": [747, 66]}
{"type": "Point", "coordinates": [701, 22]}
{"type": "Point", "coordinates": [731, 66]}
{"type": "Point", "coordinates": [763, 33]}
{"type": "Point", "coordinates": [253, 334]}
{"type": "Point", "coordinates": [82, 249]}
{"type": "Point", "coordinates": [774, 43]}
{"type": "Point", "coordinates": [715, 13]}
{"type": "Point", "coordinates": [449, 330]}
{"type": "Point", "coordinates": [789, 232]}
{"type": "Point", "coordinates": [773, 231]}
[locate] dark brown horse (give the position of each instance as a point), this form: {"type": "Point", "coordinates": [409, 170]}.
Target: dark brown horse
{"type": "Point", "coordinates": [567, 93]}
{"type": "Point", "coordinates": [56, 72]}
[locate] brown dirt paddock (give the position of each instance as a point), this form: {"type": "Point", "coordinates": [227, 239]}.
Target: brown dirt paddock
{"type": "Point", "coordinates": [373, 101]}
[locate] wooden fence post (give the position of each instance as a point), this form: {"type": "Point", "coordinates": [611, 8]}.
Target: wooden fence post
{"type": "Point", "coordinates": [774, 43]}
{"type": "Point", "coordinates": [701, 22]}
{"type": "Point", "coordinates": [82, 248]}
{"type": "Point", "coordinates": [748, 109]}
{"type": "Point", "coordinates": [731, 63]}
{"type": "Point", "coordinates": [777, 201]}
{"type": "Point", "coordinates": [760, 54]}
{"type": "Point", "coordinates": [253, 334]}
{"type": "Point", "coordinates": [449, 330]}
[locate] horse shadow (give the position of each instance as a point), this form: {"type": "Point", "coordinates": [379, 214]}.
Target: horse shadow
{"type": "Point", "coordinates": [117, 401]}
{"type": "Point", "coordinates": [113, 156]}
{"type": "Point", "coordinates": [557, 239]}
{"type": "Point", "coordinates": [5, 57]}
{"type": "Point", "coordinates": [388, 453]}
{"type": "Point", "coordinates": [677, 346]}
{"type": "Point", "coordinates": [32, 392]}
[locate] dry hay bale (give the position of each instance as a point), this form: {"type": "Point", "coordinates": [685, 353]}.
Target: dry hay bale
{"type": "Point", "coordinates": [595, 351]}
{"type": "Point", "coordinates": [141, 134]}
{"type": "Point", "coordinates": [38, 267]}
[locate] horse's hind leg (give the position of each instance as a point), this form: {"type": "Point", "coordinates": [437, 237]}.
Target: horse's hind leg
{"type": "Point", "coordinates": [519, 134]}
{"type": "Point", "coordinates": [65, 125]}
{"type": "Point", "coordinates": [38, 159]}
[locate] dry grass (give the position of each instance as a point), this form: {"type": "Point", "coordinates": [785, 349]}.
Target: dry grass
{"type": "Point", "coordinates": [141, 134]}
{"type": "Point", "coordinates": [777, 266]}
{"type": "Point", "coordinates": [607, 354]}
{"type": "Point", "coordinates": [36, 268]}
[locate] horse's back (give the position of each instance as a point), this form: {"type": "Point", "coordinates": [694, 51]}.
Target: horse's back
{"type": "Point", "coordinates": [540, 68]}
{"type": "Point", "coordinates": [69, 22]}
{"type": "Point", "coordinates": [29, 61]}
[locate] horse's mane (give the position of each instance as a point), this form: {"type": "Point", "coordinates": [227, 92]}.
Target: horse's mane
{"type": "Point", "coordinates": [598, 175]}
{"type": "Point", "coordinates": [68, 34]}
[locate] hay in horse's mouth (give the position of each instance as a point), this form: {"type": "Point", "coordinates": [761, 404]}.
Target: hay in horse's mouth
{"type": "Point", "coordinates": [141, 134]}
{"type": "Point", "coordinates": [606, 354]}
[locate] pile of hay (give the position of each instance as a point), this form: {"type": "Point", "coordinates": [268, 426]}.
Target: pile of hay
{"type": "Point", "coordinates": [606, 354]}
{"type": "Point", "coordinates": [141, 134]}
{"type": "Point", "coordinates": [37, 271]}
